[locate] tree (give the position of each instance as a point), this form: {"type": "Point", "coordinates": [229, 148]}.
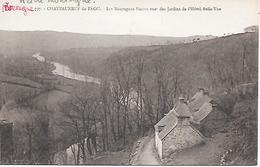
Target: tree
{"type": "Point", "coordinates": [82, 115]}
{"type": "Point", "coordinates": [122, 74]}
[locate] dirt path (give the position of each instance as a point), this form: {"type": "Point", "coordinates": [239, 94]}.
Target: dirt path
{"type": "Point", "coordinates": [148, 155]}
{"type": "Point", "coordinates": [207, 154]}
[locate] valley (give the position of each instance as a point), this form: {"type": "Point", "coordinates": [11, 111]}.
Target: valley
{"type": "Point", "coordinates": [92, 102]}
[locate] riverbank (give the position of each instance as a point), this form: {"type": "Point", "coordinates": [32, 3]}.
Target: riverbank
{"type": "Point", "coordinates": [65, 71]}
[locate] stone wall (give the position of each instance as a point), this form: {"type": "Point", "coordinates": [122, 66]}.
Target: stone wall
{"type": "Point", "coordinates": [180, 138]}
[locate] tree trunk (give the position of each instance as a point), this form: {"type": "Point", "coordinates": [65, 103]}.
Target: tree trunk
{"type": "Point", "coordinates": [124, 127]}
{"type": "Point", "coordinates": [89, 146]}
{"type": "Point", "coordinates": [78, 155]}
{"type": "Point", "coordinates": [94, 143]}
{"type": "Point", "coordinates": [103, 137]}
{"type": "Point", "coordinates": [30, 148]}
{"type": "Point", "coordinates": [118, 120]}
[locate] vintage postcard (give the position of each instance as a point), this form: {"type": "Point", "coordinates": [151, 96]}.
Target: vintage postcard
{"type": "Point", "coordinates": [129, 82]}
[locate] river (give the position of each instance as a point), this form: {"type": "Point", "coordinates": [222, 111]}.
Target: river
{"type": "Point", "coordinates": [55, 97]}
{"type": "Point", "coordinates": [65, 71]}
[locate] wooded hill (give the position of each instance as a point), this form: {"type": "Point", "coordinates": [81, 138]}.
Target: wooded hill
{"type": "Point", "coordinates": [160, 74]}
{"type": "Point", "coordinates": [233, 58]}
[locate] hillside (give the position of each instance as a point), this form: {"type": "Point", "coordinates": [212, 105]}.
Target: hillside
{"type": "Point", "coordinates": [192, 58]}
{"type": "Point", "coordinates": [233, 144]}
{"type": "Point", "coordinates": [82, 60]}
{"type": "Point", "coordinates": [38, 41]}
{"type": "Point", "coordinates": [196, 62]}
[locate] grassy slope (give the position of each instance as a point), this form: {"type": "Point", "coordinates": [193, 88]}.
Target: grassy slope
{"type": "Point", "coordinates": [19, 81]}
{"type": "Point", "coordinates": [14, 89]}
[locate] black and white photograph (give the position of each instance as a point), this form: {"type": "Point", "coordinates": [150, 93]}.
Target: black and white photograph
{"type": "Point", "coordinates": [129, 82]}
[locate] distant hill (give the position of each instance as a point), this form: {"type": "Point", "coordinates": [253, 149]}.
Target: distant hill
{"type": "Point", "coordinates": [192, 58]}
{"type": "Point", "coordinates": [38, 41]}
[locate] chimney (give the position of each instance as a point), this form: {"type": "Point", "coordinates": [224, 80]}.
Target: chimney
{"type": "Point", "coordinates": [181, 99]}
{"type": "Point", "coordinates": [206, 92]}
{"type": "Point", "coordinates": [201, 89]}
{"type": "Point", "coordinates": [182, 114]}
{"type": "Point", "coordinates": [214, 106]}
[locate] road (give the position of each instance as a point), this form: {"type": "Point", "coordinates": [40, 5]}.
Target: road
{"type": "Point", "coordinates": [148, 156]}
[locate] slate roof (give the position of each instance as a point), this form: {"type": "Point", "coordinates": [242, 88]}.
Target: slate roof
{"type": "Point", "coordinates": [197, 103]}
{"type": "Point", "coordinates": [166, 119]}
{"type": "Point", "coordinates": [196, 96]}
{"type": "Point", "coordinates": [203, 112]}
{"type": "Point", "coordinates": [200, 105]}
{"type": "Point", "coordinates": [169, 127]}
{"type": "Point", "coordinates": [181, 110]}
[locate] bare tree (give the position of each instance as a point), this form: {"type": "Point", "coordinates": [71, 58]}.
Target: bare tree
{"type": "Point", "coordinates": [82, 117]}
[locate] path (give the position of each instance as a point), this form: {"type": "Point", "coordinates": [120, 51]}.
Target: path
{"type": "Point", "coordinates": [148, 155]}
{"type": "Point", "coordinates": [202, 155]}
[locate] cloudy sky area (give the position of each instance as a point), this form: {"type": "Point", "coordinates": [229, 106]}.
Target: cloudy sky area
{"type": "Point", "coordinates": [233, 17]}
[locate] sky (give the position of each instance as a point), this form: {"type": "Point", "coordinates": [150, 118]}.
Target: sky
{"type": "Point", "coordinates": [233, 17]}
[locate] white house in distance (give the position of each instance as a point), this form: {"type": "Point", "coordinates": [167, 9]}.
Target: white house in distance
{"type": "Point", "coordinates": [174, 131]}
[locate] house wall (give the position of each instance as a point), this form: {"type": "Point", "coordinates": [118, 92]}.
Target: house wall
{"type": "Point", "coordinates": [156, 139]}
{"type": "Point", "coordinates": [179, 138]}
{"type": "Point", "coordinates": [158, 144]}
{"type": "Point", "coordinates": [159, 149]}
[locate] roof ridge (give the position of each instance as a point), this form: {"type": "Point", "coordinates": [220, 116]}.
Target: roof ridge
{"type": "Point", "coordinates": [170, 129]}
{"type": "Point", "coordinates": [185, 110]}
{"type": "Point", "coordinates": [195, 129]}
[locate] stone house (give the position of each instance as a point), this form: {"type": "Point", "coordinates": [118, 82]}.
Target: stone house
{"type": "Point", "coordinates": [174, 131]}
{"type": "Point", "coordinates": [170, 117]}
